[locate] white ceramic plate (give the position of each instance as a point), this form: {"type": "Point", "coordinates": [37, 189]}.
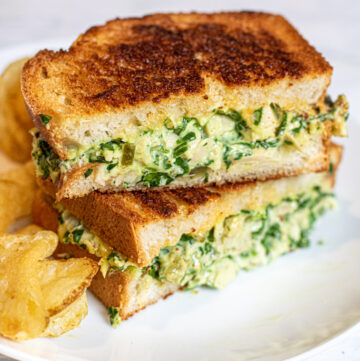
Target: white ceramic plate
{"type": "Point", "coordinates": [292, 307]}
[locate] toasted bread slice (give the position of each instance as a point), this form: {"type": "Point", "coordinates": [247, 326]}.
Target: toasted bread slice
{"type": "Point", "coordinates": [129, 76]}
{"type": "Point", "coordinates": [138, 71]}
{"type": "Point", "coordinates": [139, 224]}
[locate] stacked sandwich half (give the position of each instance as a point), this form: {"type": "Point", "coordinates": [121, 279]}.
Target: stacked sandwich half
{"type": "Point", "coordinates": [178, 149]}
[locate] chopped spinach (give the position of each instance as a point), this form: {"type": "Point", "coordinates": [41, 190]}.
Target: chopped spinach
{"type": "Point", "coordinates": [88, 172]}
{"type": "Point", "coordinates": [206, 178]}
{"type": "Point", "coordinates": [111, 166]}
{"type": "Point", "coordinates": [114, 316]}
{"type": "Point", "coordinates": [210, 236]}
{"type": "Point", "coordinates": [302, 124]}
{"type": "Point", "coordinates": [45, 119]}
{"type": "Point", "coordinates": [180, 149]}
{"type": "Point", "coordinates": [183, 164]}
{"type": "Point", "coordinates": [157, 153]}
{"type": "Point", "coordinates": [187, 138]}
{"type": "Point", "coordinates": [156, 179]}
{"type": "Point", "coordinates": [226, 159]}
{"type": "Point", "coordinates": [110, 145]}
{"type": "Point", "coordinates": [77, 234]}
{"type": "Point", "coordinates": [153, 270]}
{"type": "Point", "coordinates": [178, 130]}
{"type": "Point", "coordinates": [208, 248]}
{"type": "Point", "coordinates": [276, 109]}
{"type": "Point", "coordinates": [93, 158]}
{"type": "Point", "coordinates": [187, 238]}
{"type": "Point", "coordinates": [66, 237]}
{"type": "Point", "coordinates": [281, 129]}
{"type": "Point", "coordinates": [240, 122]}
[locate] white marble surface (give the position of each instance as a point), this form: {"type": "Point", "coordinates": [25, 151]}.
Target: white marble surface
{"type": "Point", "coordinates": [333, 27]}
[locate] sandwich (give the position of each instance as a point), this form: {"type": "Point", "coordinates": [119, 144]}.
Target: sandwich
{"type": "Point", "coordinates": [180, 100]}
{"type": "Point", "coordinates": [151, 244]}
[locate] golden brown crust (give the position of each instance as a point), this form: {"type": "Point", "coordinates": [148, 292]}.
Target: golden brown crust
{"type": "Point", "coordinates": [144, 206]}
{"type": "Point", "coordinates": [125, 212]}
{"type": "Point", "coordinates": [44, 216]}
{"type": "Point", "coordinates": [130, 61]}
{"type": "Point", "coordinates": [150, 58]}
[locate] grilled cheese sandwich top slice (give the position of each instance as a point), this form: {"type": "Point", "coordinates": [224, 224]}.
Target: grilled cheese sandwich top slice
{"type": "Point", "coordinates": [179, 100]}
{"type": "Point", "coordinates": [133, 73]}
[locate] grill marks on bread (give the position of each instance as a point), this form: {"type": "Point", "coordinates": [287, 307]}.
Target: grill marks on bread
{"type": "Point", "coordinates": [151, 205]}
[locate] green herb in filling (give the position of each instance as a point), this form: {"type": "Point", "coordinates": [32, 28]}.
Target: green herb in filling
{"type": "Point", "coordinates": [302, 124]}
{"type": "Point", "coordinates": [114, 316]}
{"type": "Point", "coordinates": [111, 166]}
{"type": "Point", "coordinates": [276, 109]}
{"type": "Point", "coordinates": [77, 234]}
{"type": "Point", "coordinates": [111, 145]}
{"type": "Point", "coordinates": [240, 123]}
{"type": "Point", "coordinates": [45, 119]}
{"type": "Point", "coordinates": [206, 178]}
{"type": "Point", "coordinates": [258, 115]}
{"type": "Point", "coordinates": [156, 179]}
{"type": "Point", "coordinates": [282, 126]}
{"type": "Point", "coordinates": [88, 172]}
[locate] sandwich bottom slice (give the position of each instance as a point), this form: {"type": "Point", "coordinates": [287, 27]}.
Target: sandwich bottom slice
{"type": "Point", "coordinates": [250, 238]}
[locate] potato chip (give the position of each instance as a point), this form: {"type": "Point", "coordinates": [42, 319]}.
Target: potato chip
{"type": "Point", "coordinates": [17, 191]}
{"type": "Point", "coordinates": [63, 281]}
{"type": "Point", "coordinates": [29, 229]}
{"type": "Point", "coordinates": [15, 121]}
{"type": "Point", "coordinates": [12, 244]}
{"type": "Point", "coordinates": [67, 319]}
{"type": "Point", "coordinates": [39, 296]}
{"type": "Point", "coordinates": [23, 314]}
